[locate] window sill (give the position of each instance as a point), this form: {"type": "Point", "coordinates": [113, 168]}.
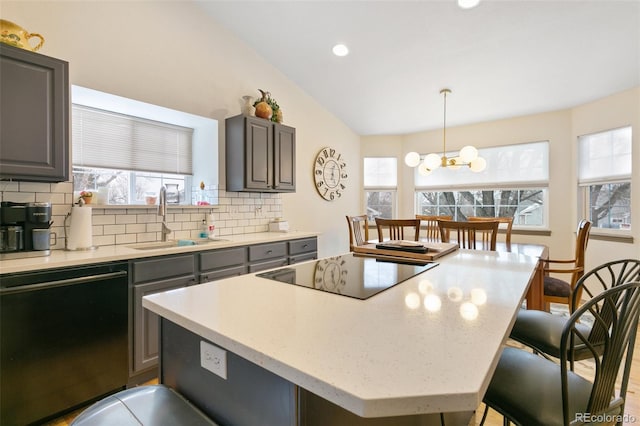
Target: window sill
{"type": "Point", "coordinates": [150, 206]}
{"type": "Point", "coordinates": [538, 232]}
{"type": "Point", "coordinates": [626, 239]}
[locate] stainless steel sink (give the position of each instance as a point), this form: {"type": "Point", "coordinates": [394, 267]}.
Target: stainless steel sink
{"type": "Point", "coordinates": [154, 245]}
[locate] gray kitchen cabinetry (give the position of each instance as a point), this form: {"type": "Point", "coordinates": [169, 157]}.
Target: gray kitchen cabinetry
{"type": "Point", "coordinates": [151, 276]}
{"type": "Point", "coordinates": [260, 155]}
{"type": "Point", "coordinates": [267, 256]}
{"type": "Point", "coordinates": [222, 263]}
{"type": "Point", "coordinates": [162, 273]}
{"type": "Point", "coordinates": [302, 250]}
{"type": "Point", "coordinates": [34, 124]}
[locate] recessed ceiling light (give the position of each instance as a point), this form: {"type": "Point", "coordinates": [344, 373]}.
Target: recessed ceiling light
{"type": "Point", "coordinates": [468, 4]}
{"type": "Point", "coordinates": [340, 50]}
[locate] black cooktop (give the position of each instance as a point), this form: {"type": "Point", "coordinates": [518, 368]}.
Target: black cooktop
{"type": "Point", "coordinates": [348, 275]}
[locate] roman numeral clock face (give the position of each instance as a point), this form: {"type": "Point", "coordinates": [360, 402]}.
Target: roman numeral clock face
{"type": "Point", "coordinates": [329, 173]}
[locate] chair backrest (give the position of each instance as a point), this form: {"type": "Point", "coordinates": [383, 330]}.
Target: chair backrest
{"type": "Point", "coordinates": [358, 230]}
{"type": "Point", "coordinates": [396, 228]}
{"type": "Point", "coordinates": [431, 225]}
{"type": "Point", "coordinates": [604, 277]}
{"type": "Point", "coordinates": [582, 239]}
{"type": "Point", "coordinates": [467, 233]}
{"type": "Point", "coordinates": [508, 221]}
{"type": "Point", "coordinates": [614, 312]}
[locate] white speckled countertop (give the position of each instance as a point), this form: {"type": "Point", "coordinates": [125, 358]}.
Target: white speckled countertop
{"type": "Point", "coordinates": [62, 258]}
{"type": "Point", "coordinates": [427, 345]}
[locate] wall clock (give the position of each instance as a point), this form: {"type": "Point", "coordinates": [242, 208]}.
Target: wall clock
{"type": "Point", "coordinates": [329, 173]}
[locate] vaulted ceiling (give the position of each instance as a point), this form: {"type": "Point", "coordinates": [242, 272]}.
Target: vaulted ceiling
{"type": "Point", "coordinates": [500, 59]}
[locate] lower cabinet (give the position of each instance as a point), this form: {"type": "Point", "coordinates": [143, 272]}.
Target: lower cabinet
{"type": "Point", "coordinates": [302, 250]}
{"type": "Point", "coordinates": [151, 276]}
{"type": "Point", "coordinates": [163, 273]}
{"type": "Point", "coordinates": [222, 263]}
{"type": "Point", "coordinates": [267, 256]}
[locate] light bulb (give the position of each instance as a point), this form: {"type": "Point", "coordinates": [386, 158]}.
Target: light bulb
{"type": "Point", "coordinates": [478, 165]}
{"type": "Point", "coordinates": [340, 50]}
{"type": "Point", "coordinates": [422, 169]}
{"type": "Point", "coordinates": [468, 154]}
{"type": "Point", "coordinates": [468, 4]}
{"type": "Point", "coordinates": [432, 161]}
{"type": "Point", "coordinates": [412, 159]}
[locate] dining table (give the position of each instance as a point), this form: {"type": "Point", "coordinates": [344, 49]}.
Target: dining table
{"type": "Point", "coordinates": [292, 346]}
{"type": "Point", "coordinates": [535, 294]}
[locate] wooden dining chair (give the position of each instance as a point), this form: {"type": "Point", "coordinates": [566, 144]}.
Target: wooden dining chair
{"type": "Point", "coordinates": [396, 228]}
{"type": "Point", "coordinates": [430, 223]}
{"type": "Point", "coordinates": [358, 230]}
{"type": "Point", "coordinates": [469, 233]}
{"type": "Point", "coordinates": [557, 290]}
{"type": "Point", "coordinates": [508, 221]}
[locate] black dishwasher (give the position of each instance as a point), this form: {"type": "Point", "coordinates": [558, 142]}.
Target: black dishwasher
{"type": "Point", "coordinates": [63, 339]}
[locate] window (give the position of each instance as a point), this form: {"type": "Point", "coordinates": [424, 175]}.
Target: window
{"type": "Point", "coordinates": [130, 156]}
{"type": "Point", "coordinates": [514, 184]}
{"type": "Point", "coordinates": [380, 186]}
{"type": "Point", "coordinates": [126, 150]}
{"type": "Point", "coordinates": [604, 178]}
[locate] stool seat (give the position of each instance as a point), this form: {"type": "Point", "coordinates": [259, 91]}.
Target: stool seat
{"type": "Point", "coordinates": [154, 405]}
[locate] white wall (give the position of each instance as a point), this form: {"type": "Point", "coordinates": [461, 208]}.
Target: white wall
{"type": "Point", "coordinates": [172, 55]}
{"type": "Point", "coordinates": [561, 129]}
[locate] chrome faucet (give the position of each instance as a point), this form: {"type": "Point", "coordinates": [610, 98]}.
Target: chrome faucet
{"type": "Point", "coordinates": [162, 211]}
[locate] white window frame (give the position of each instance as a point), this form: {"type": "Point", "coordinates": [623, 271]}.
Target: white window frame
{"type": "Point", "coordinates": [540, 179]}
{"type": "Point", "coordinates": [380, 187]}
{"type": "Point", "coordinates": [588, 178]}
{"type": "Point", "coordinates": [204, 144]}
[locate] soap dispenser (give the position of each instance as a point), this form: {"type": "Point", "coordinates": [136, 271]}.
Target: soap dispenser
{"type": "Point", "coordinates": [204, 229]}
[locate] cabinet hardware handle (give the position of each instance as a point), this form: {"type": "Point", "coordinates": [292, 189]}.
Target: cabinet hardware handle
{"type": "Point", "coordinates": [65, 282]}
{"type": "Point", "coordinates": [269, 251]}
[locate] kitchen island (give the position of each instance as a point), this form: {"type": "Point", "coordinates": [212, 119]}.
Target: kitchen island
{"type": "Point", "coordinates": [295, 355]}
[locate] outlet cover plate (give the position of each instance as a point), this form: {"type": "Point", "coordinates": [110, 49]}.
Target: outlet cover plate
{"type": "Point", "coordinates": [213, 359]}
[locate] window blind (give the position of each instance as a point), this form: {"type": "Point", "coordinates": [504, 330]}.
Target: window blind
{"type": "Point", "coordinates": [380, 172]}
{"type": "Point", "coordinates": [105, 139]}
{"type": "Point", "coordinates": [513, 166]}
{"type": "Point", "coordinates": [605, 156]}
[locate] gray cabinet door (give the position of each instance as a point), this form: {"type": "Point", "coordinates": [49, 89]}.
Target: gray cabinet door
{"type": "Point", "coordinates": [34, 100]}
{"type": "Point", "coordinates": [284, 172]}
{"type": "Point", "coordinates": [259, 151]}
{"type": "Point", "coordinates": [152, 276]}
{"type": "Point", "coordinates": [145, 323]}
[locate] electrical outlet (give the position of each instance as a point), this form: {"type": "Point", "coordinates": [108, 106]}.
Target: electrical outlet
{"type": "Point", "coordinates": [213, 359]}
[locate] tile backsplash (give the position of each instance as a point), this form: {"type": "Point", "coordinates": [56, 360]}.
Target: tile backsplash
{"type": "Point", "coordinates": [235, 213]}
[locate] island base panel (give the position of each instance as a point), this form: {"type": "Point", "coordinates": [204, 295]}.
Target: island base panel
{"type": "Point", "coordinates": [252, 395]}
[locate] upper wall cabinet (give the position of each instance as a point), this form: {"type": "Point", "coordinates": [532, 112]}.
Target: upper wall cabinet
{"type": "Point", "coordinates": [34, 118]}
{"type": "Point", "coordinates": [260, 155]}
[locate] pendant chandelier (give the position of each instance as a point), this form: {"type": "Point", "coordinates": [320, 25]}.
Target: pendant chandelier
{"type": "Point", "coordinates": [468, 155]}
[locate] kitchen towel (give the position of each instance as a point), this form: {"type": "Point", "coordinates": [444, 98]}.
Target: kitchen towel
{"type": "Point", "coordinates": [80, 230]}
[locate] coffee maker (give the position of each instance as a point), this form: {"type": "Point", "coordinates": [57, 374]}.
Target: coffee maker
{"type": "Point", "coordinates": [24, 229]}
